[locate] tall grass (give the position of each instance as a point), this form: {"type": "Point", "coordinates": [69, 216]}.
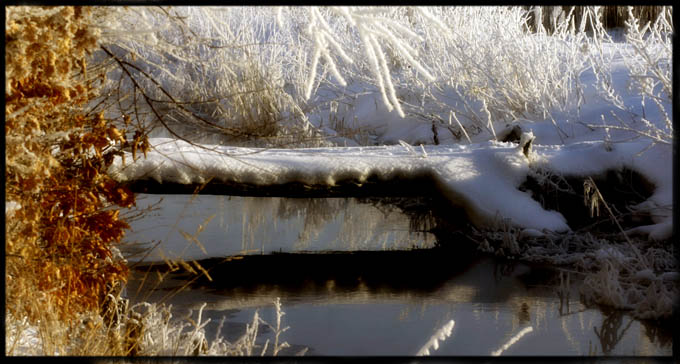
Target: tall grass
{"type": "Point", "coordinates": [211, 76]}
{"type": "Point", "coordinates": [203, 74]}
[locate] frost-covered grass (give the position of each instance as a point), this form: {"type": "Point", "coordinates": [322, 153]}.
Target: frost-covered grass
{"type": "Point", "coordinates": [145, 329]}
{"type": "Point", "coordinates": [393, 72]}
{"type": "Point", "coordinates": [215, 74]}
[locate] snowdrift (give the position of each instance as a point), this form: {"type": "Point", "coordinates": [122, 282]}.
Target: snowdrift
{"type": "Point", "coordinates": [482, 178]}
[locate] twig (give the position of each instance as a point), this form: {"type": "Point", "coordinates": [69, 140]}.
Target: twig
{"type": "Point", "coordinates": [589, 183]}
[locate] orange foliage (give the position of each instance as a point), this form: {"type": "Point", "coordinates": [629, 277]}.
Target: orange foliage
{"type": "Point", "coordinates": [59, 240]}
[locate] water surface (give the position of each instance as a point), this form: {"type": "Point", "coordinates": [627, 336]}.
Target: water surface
{"type": "Point", "coordinates": [235, 225]}
{"type": "Point", "coordinates": [361, 277]}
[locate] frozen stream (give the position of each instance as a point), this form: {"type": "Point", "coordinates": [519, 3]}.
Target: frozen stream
{"type": "Point", "coordinates": [387, 298]}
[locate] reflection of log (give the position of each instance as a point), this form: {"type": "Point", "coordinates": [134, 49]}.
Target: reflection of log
{"type": "Point", "coordinates": [523, 314]}
{"type": "Point", "coordinates": [372, 187]}
{"type": "Point", "coordinates": [443, 275]}
{"type": "Point", "coordinates": [419, 269]}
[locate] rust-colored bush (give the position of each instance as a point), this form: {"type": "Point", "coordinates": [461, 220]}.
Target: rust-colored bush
{"type": "Point", "coordinates": [62, 217]}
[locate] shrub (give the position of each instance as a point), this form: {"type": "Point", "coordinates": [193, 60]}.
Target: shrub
{"type": "Point", "coordinates": [62, 216]}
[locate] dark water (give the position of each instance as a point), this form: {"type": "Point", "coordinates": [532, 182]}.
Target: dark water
{"type": "Point", "coordinates": [364, 277]}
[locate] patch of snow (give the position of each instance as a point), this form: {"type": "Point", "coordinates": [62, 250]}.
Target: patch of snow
{"type": "Point", "coordinates": [530, 233]}
{"type": "Point", "coordinates": [645, 274]}
{"type": "Point", "coordinates": [11, 207]}
{"type": "Point", "coordinates": [22, 338]}
{"type": "Point", "coordinates": [609, 253]}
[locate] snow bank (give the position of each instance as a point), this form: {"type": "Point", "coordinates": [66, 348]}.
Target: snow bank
{"type": "Point", "coordinates": [482, 178]}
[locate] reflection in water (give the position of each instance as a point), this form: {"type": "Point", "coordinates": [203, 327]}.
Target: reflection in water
{"type": "Point", "coordinates": [523, 314]}
{"type": "Point", "coordinates": [657, 335]}
{"type": "Point", "coordinates": [379, 297]}
{"type": "Point", "coordinates": [340, 315]}
{"type": "Point", "coordinates": [512, 341]}
{"type": "Point", "coordinates": [439, 335]}
{"type": "Point", "coordinates": [563, 292]}
{"type": "Point", "coordinates": [255, 225]}
{"type": "Point", "coordinates": [609, 333]}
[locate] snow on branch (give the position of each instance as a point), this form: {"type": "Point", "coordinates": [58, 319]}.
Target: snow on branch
{"type": "Point", "coordinates": [376, 32]}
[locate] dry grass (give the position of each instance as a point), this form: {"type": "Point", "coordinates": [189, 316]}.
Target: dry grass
{"type": "Point", "coordinates": [187, 73]}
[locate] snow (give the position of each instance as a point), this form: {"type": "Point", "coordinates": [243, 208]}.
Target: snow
{"type": "Point", "coordinates": [574, 86]}
{"type": "Point", "coordinates": [11, 207]}
{"type": "Point", "coordinates": [604, 254]}
{"type": "Point", "coordinates": [646, 274]}
{"type": "Point", "coordinates": [481, 177]}
{"type": "Point", "coordinates": [23, 338]}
